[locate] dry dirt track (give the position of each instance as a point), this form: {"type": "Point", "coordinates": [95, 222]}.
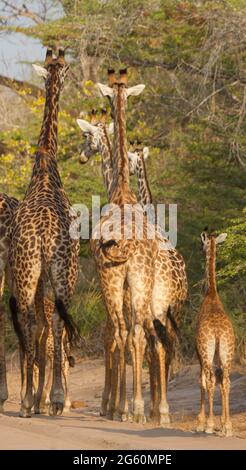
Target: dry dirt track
{"type": "Point", "coordinates": [83, 428]}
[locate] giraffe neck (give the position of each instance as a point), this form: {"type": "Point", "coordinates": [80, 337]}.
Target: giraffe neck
{"type": "Point", "coordinates": [121, 187]}
{"type": "Point", "coordinates": [144, 193]}
{"type": "Point", "coordinates": [210, 268]}
{"type": "Point", "coordinates": [45, 168]}
{"type": "Point", "coordinates": [48, 135]}
{"type": "Point", "coordinates": [107, 161]}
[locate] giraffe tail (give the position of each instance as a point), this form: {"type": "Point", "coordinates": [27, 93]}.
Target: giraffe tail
{"type": "Point", "coordinates": [14, 313]}
{"type": "Point", "coordinates": [173, 323]}
{"type": "Point", "coordinates": [71, 361]}
{"type": "Point", "coordinates": [114, 251]}
{"type": "Point", "coordinates": [70, 325]}
{"type": "Point", "coordinates": [163, 336]}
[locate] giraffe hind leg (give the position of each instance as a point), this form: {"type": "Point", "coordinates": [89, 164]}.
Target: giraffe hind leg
{"type": "Point", "coordinates": [202, 415]}
{"type": "Point", "coordinates": [60, 319]}
{"type": "Point", "coordinates": [225, 353]}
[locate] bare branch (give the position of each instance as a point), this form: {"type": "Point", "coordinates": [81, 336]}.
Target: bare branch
{"type": "Point", "coordinates": [20, 86]}
{"type": "Point", "coordinates": [208, 98]}
{"type": "Point", "coordinates": [24, 12]}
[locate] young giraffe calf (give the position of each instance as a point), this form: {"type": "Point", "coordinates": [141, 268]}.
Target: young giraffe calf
{"type": "Point", "coordinates": [215, 341]}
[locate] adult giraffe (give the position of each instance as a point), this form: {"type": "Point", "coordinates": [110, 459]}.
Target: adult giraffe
{"type": "Point", "coordinates": [120, 260]}
{"type": "Point", "coordinates": [170, 282]}
{"type": "Point", "coordinates": [41, 247]}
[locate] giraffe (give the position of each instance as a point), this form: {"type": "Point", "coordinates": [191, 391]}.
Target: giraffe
{"type": "Point", "coordinates": [41, 248]}
{"type": "Point", "coordinates": [97, 142]}
{"type": "Point", "coordinates": [170, 286]}
{"type": "Point", "coordinates": [125, 260]}
{"type": "Point", "coordinates": [215, 342]}
{"type": "Point", "coordinates": [7, 207]}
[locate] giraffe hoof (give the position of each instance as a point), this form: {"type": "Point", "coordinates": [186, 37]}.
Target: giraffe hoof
{"type": "Point", "coordinates": [226, 431]}
{"type": "Point", "coordinates": [124, 417]}
{"type": "Point", "coordinates": [209, 430]}
{"type": "Point", "coordinates": [104, 408]}
{"type": "Point", "coordinates": [200, 428]}
{"type": "Point", "coordinates": [43, 410]}
{"type": "Point", "coordinates": [56, 409]}
{"type": "Point", "coordinates": [139, 418]}
{"type": "Point", "coordinates": [25, 413]}
{"type": "Point", "coordinates": [130, 417]}
{"type": "Point", "coordinates": [164, 420]}
{"type": "Point", "coordinates": [154, 417]}
{"type": "Point", "coordinates": [67, 409]}
{"type": "Point", "coordinates": [121, 416]}
{"type": "Point", "coordinates": [110, 415]}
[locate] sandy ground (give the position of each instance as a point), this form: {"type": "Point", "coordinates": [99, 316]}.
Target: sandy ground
{"type": "Point", "coordinates": [83, 428]}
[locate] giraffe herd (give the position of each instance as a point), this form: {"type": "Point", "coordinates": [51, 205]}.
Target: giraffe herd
{"type": "Point", "coordinates": [143, 279]}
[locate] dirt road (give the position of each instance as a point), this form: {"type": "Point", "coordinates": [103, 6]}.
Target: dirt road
{"type": "Point", "coordinates": [83, 428]}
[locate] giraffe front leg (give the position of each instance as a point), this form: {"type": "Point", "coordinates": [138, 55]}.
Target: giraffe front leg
{"type": "Point", "coordinates": [65, 373]}
{"type": "Point", "coordinates": [114, 392]}
{"type": "Point", "coordinates": [29, 327]}
{"type": "Point", "coordinates": [123, 403]}
{"type": "Point", "coordinates": [42, 333]}
{"type": "Point", "coordinates": [154, 415]}
{"type": "Point", "coordinates": [139, 343]}
{"type": "Point", "coordinates": [45, 401]}
{"type": "Point", "coordinates": [57, 391]}
{"type": "Point", "coordinates": [109, 339]}
{"type": "Point", "coordinates": [163, 405]}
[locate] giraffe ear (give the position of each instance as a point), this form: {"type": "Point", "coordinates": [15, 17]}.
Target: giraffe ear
{"type": "Point", "coordinates": [40, 71]}
{"type": "Point", "coordinates": [87, 126]}
{"type": "Point", "coordinates": [111, 128]}
{"type": "Point", "coordinates": [221, 238]}
{"type": "Point", "coordinates": [145, 152]}
{"type": "Point", "coordinates": [204, 236]}
{"type": "Point", "coordinates": [135, 90]}
{"type": "Point", "coordinates": [133, 158]}
{"type": "Point", "coordinates": [105, 90]}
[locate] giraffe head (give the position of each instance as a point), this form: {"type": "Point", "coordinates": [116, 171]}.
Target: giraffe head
{"type": "Point", "coordinates": [207, 237]}
{"type": "Point", "coordinates": [136, 155]}
{"type": "Point", "coordinates": [54, 70]}
{"type": "Point", "coordinates": [117, 90]}
{"type": "Point", "coordinates": [94, 132]}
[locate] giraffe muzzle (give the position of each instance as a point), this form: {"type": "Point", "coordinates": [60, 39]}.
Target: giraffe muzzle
{"type": "Point", "coordinates": [83, 158]}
